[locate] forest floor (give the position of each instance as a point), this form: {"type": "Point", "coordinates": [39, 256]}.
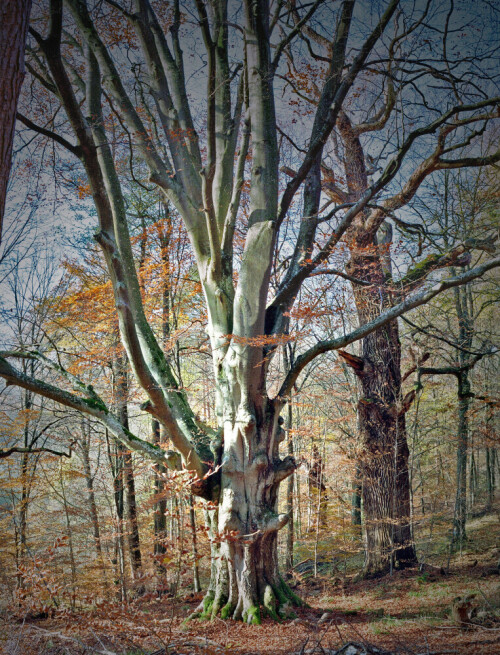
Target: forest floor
{"type": "Point", "coordinates": [408, 612]}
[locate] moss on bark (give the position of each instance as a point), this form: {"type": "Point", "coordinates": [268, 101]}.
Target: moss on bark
{"type": "Point", "coordinates": [252, 615]}
{"type": "Point", "coordinates": [270, 603]}
{"type": "Point", "coordinates": [208, 603]}
{"type": "Point", "coordinates": [286, 592]}
{"type": "Point", "coordinates": [227, 611]}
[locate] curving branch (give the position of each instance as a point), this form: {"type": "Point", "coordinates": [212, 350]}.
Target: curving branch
{"type": "Point", "coordinates": [385, 317]}
{"type": "Point", "coordinates": [85, 405]}
{"type": "Point", "coordinates": [74, 150]}
{"type": "Point", "coordinates": [91, 406]}
{"type": "Point", "coordinates": [299, 24]}
{"type": "Point", "coordinates": [340, 95]}
{"type": "Point", "coordinates": [7, 452]}
{"type": "Point", "coordinates": [169, 404]}
{"type": "Point", "coordinates": [446, 123]}
{"type": "Point", "coordinates": [158, 171]}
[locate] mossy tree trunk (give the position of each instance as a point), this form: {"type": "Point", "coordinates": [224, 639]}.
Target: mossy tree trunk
{"type": "Point", "coordinates": [245, 580]}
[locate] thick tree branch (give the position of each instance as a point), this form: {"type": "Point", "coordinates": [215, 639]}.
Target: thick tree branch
{"type": "Point", "coordinates": [345, 276]}
{"type": "Point", "coordinates": [284, 469]}
{"type": "Point", "coordinates": [145, 355]}
{"type": "Point", "coordinates": [158, 171]}
{"type": "Point", "coordinates": [458, 256]}
{"type": "Point", "coordinates": [457, 371]}
{"type": "Point", "coordinates": [463, 162]}
{"type": "Point", "coordinates": [385, 317]}
{"type": "Point", "coordinates": [92, 406]}
{"type": "Point", "coordinates": [85, 405]}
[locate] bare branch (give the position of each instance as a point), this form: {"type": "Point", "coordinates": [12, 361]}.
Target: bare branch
{"type": "Point", "coordinates": [385, 317]}
{"type": "Point", "coordinates": [6, 452]}
{"type": "Point", "coordinates": [75, 150]}
{"type": "Point", "coordinates": [341, 92]}
{"type": "Point", "coordinates": [291, 35]}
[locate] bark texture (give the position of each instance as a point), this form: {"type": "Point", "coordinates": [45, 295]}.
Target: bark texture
{"type": "Point", "coordinates": [381, 408]}
{"type": "Point", "coordinates": [14, 20]}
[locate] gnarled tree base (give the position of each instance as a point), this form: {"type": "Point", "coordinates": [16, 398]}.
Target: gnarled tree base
{"type": "Point", "coordinates": [245, 583]}
{"type": "Point", "coordinates": [276, 601]}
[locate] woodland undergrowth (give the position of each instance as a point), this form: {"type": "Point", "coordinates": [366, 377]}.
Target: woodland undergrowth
{"type": "Point", "coordinates": [409, 612]}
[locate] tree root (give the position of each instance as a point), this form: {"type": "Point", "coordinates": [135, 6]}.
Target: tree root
{"type": "Point", "coordinates": [277, 602]}
{"type": "Point", "coordinates": [204, 610]}
{"type": "Point", "coordinates": [252, 615]}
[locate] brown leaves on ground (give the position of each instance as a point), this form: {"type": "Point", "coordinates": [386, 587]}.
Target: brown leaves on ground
{"type": "Point", "coordinates": [408, 613]}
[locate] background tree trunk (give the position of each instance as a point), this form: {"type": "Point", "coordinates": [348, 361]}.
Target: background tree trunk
{"type": "Point", "coordinates": [464, 311]}
{"type": "Point", "coordinates": [89, 480]}
{"type": "Point", "coordinates": [382, 427]}
{"type": "Point", "coordinates": [490, 477]}
{"type": "Point", "coordinates": [115, 455]}
{"type": "Point", "coordinates": [14, 21]}
{"type": "Point", "coordinates": [290, 510]}
{"type": "Point", "coordinates": [121, 396]}
{"type": "Point", "coordinates": [381, 417]}
{"type": "Point", "coordinates": [194, 545]}
{"type": "Point", "coordinates": [159, 508]}
{"type": "Point", "coordinates": [356, 497]}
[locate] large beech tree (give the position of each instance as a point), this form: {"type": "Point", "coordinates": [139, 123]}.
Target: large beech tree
{"type": "Point", "coordinates": [218, 163]}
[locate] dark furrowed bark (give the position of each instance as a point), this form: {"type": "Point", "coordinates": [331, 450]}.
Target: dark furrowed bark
{"type": "Point", "coordinates": [384, 464]}
{"type": "Point", "coordinates": [382, 427]}
{"type": "Point", "coordinates": [14, 20]}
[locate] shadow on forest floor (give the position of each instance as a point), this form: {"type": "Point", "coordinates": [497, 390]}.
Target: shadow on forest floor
{"type": "Point", "coordinates": [406, 613]}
